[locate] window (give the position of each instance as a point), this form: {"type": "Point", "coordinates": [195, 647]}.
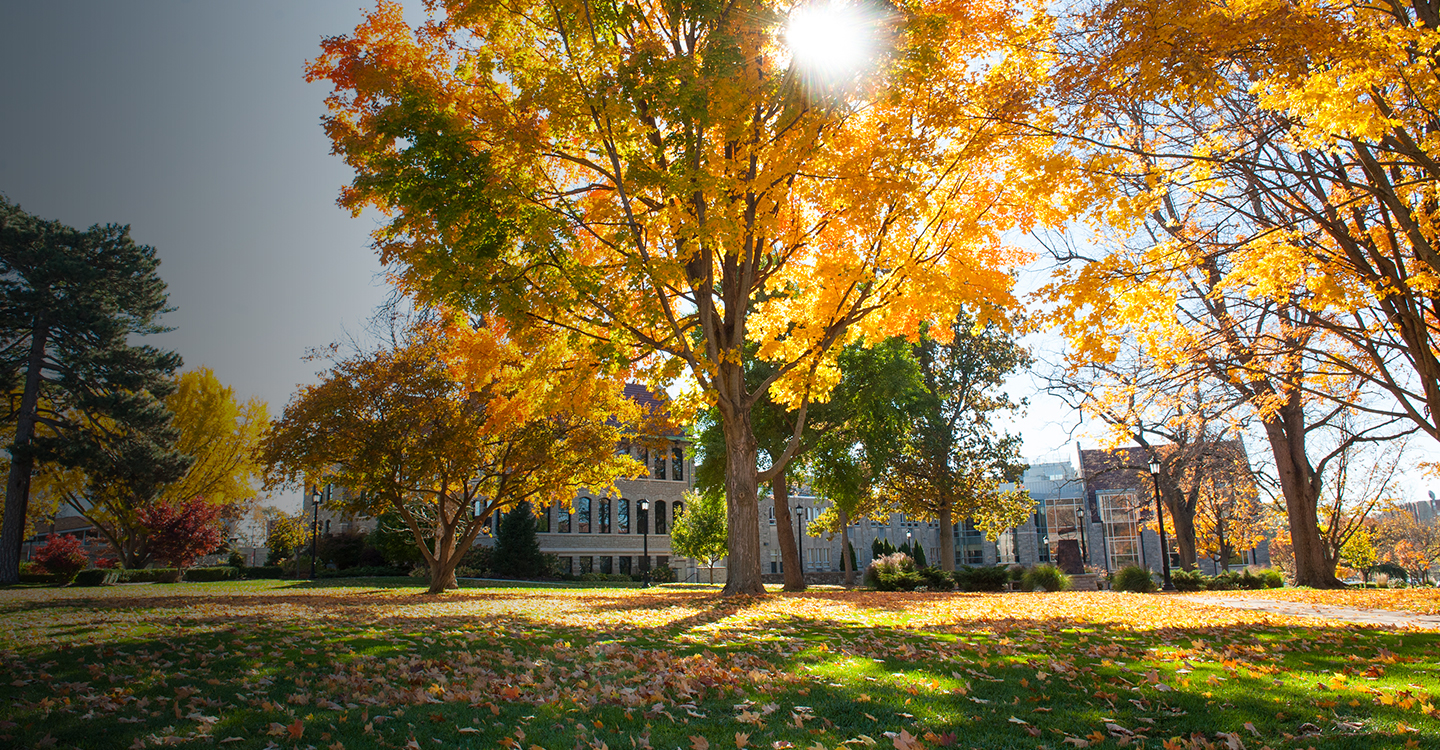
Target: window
{"type": "Point", "coordinates": [605, 565]}
{"type": "Point", "coordinates": [327, 527]}
{"type": "Point", "coordinates": [644, 562]}
{"type": "Point", "coordinates": [587, 564]}
{"type": "Point", "coordinates": [542, 521]}
{"type": "Point", "coordinates": [604, 516]}
{"type": "Point", "coordinates": [582, 516]}
{"type": "Point", "coordinates": [563, 519]}
{"type": "Point", "coordinates": [661, 561]}
{"type": "Point", "coordinates": [970, 544]}
{"type": "Point", "coordinates": [774, 557]}
{"type": "Point", "coordinates": [567, 564]}
{"type": "Point", "coordinates": [772, 516]}
{"type": "Point", "coordinates": [625, 565]}
{"type": "Point", "coordinates": [660, 463]}
{"type": "Point", "coordinates": [622, 516]}
{"type": "Point", "coordinates": [677, 510]}
{"type": "Point", "coordinates": [1122, 532]}
{"type": "Point", "coordinates": [818, 558]}
{"type": "Point", "coordinates": [677, 464]}
{"type": "Point", "coordinates": [660, 517]}
{"type": "Point", "coordinates": [642, 518]}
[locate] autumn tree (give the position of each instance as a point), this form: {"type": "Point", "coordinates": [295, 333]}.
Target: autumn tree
{"type": "Point", "coordinates": [1268, 171]}
{"type": "Point", "coordinates": [691, 186]}
{"type": "Point", "coordinates": [452, 426]}
{"type": "Point", "coordinates": [953, 460]}
{"type": "Point", "coordinates": [284, 533]}
{"type": "Point", "coordinates": [183, 530]}
{"type": "Point", "coordinates": [216, 431]}
{"type": "Point", "coordinates": [845, 442]}
{"type": "Point", "coordinates": [70, 301]}
{"type": "Point", "coordinates": [1178, 420]}
{"type": "Point", "coordinates": [700, 533]}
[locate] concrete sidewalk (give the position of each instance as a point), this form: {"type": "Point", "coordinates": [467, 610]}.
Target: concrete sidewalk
{"type": "Point", "coordinates": [1381, 617]}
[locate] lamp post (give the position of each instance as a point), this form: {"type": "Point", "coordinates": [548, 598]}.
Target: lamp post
{"type": "Point", "coordinates": [1160, 519]}
{"type": "Point", "coordinates": [644, 507]}
{"type": "Point", "coordinates": [910, 545]}
{"type": "Point", "coordinates": [800, 538]}
{"type": "Point", "coordinates": [314, 526]}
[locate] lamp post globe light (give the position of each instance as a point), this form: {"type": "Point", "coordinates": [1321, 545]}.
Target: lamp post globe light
{"type": "Point", "coordinates": [1160, 519]}
{"type": "Point", "coordinates": [314, 526]}
{"type": "Point", "coordinates": [644, 507]}
{"type": "Point", "coordinates": [800, 539]}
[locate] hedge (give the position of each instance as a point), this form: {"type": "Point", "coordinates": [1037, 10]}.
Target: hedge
{"type": "Point", "coordinates": [262, 571]}
{"type": "Point", "coordinates": [218, 573]}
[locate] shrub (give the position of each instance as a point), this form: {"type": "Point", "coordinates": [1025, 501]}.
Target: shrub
{"type": "Point", "coordinates": [1248, 580]}
{"type": "Point", "coordinates": [1222, 582]}
{"type": "Point", "coordinates": [182, 531]}
{"type": "Point", "coordinates": [984, 579]}
{"type": "Point", "coordinates": [262, 571]}
{"type": "Point", "coordinates": [1016, 571]}
{"type": "Point", "coordinates": [479, 559]}
{"type": "Point", "coordinates": [663, 574]}
{"type": "Point", "coordinates": [936, 579]}
{"type": "Point", "coordinates": [1047, 577]}
{"type": "Point", "coordinates": [218, 573]}
{"type": "Point", "coordinates": [343, 550]}
{"type": "Point", "coordinates": [107, 563]}
{"type": "Point", "coordinates": [893, 572]}
{"type": "Point", "coordinates": [91, 577]}
{"type": "Point", "coordinates": [607, 577]}
{"type": "Point", "coordinates": [236, 560]}
{"type": "Point", "coordinates": [152, 575]}
{"type": "Point", "coordinates": [62, 557]}
{"type": "Point", "coordinates": [1134, 578]}
{"type": "Point", "coordinates": [370, 571]}
{"type": "Point", "coordinates": [1272, 578]}
{"type": "Point", "coordinates": [1188, 580]}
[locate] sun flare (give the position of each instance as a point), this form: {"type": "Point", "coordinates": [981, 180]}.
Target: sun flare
{"type": "Point", "coordinates": [830, 38]}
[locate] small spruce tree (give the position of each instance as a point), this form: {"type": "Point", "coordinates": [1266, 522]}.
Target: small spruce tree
{"type": "Point", "coordinates": [517, 549]}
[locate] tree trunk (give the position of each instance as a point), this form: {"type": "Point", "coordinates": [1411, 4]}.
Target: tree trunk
{"type": "Point", "coordinates": [1184, 523]}
{"type": "Point", "coordinates": [847, 560]}
{"type": "Point", "coordinates": [1285, 431]}
{"type": "Point", "coordinates": [442, 577]}
{"type": "Point", "coordinates": [22, 464]}
{"type": "Point", "coordinates": [789, 549]}
{"type": "Point", "coordinates": [742, 504]}
{"type": "Point", "coordinates": [947, 536]}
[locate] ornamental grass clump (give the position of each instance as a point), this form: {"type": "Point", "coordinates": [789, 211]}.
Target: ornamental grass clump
{"type": "Point", "coordinates": [1045, 578]}
{"type": "Point", "coordinates": [1134, 578]}
{"type": "Point", "coordinates": [894, 572]}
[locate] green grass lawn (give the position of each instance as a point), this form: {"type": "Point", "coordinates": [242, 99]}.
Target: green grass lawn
{"type": "Point", "coordinates": [378, 664]}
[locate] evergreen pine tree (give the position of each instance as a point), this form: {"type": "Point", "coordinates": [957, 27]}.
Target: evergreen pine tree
{"type": "Point", "coordinates": [517, 549]}
{"type": "Point", "coordinates": [70, 301]}
{"type": "Point", "coordinates": [917, 551]}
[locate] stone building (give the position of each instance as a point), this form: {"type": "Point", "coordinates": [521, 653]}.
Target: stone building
{"type": "Point", "coordinates": [1102, 500]}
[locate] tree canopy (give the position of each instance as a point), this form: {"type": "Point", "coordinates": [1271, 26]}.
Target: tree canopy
{"type": "Point", "coordinates": [674, 182]}
{"type": "Point", "coordinates": [456, 423]}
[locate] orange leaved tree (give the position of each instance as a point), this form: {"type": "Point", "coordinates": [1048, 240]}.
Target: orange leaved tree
{"type": "Point", "coordinates": [451, 426]}
{"type": "Point", "coordinates": [694, 185]}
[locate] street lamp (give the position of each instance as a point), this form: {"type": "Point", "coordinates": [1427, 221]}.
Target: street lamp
{"type": "Point", "coordinates": [1160, 518]}
{"type": "Point", "coordinates": [800, 538]}
{"type": "Point", "coordinates": [314, 526]}
{"type": "Point", "coordinates": [644, 507]}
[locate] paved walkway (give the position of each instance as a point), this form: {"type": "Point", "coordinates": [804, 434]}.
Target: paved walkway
{"type": "Point", "coordinates": [1347, 614]}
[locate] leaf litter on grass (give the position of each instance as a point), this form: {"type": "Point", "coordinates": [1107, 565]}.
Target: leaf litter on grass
{"type": "Point", "coordinates": [370, 667]}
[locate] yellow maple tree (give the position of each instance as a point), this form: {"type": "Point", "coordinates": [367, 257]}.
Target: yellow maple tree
{"type": "Point", "coordinates": [693, 185]}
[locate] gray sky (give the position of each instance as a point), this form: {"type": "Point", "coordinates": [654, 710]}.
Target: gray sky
{"type": "Point", "coordinates": [192, 123]}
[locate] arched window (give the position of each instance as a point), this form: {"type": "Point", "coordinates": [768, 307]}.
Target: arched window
{"type": "Point", "coordinates": [659, 463]}
{"type": "Point", "coordinates": [622, 516]}
{"type": "Point", "coordinates": [562, 519]}
{"type": "Point", "coordinates": [642, 518]}
{"type": "Point", "coordinates": [603, 518]}
{"type": "Point", "coordinates": [582, 516]}
{"type": "Point", "coordinates": [678, 510]}
{"type": "Point", "coordinates": [677, 463]}
{"type": "Point", "coordinates": [660, 517]}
